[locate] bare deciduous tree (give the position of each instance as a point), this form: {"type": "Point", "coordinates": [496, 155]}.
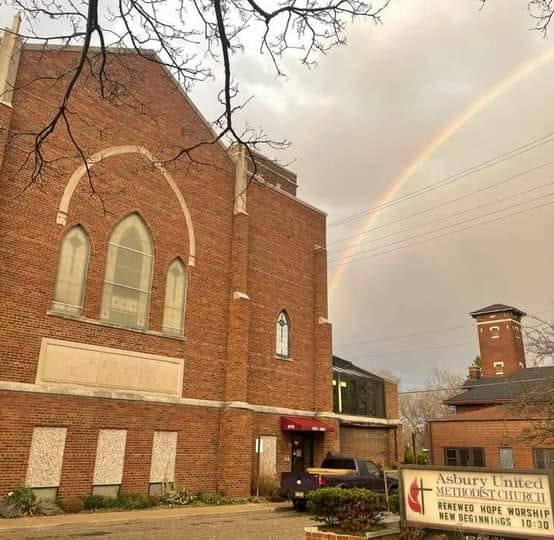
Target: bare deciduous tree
{"type": "Point", "coordinates": [418, 407]}
{"type": "Point", "coordinates": [534, 400]}
{"type": "Point", "coordinates": [196, 40]}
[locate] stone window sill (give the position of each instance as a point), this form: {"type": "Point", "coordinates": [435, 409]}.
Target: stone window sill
{"type": "Point", "coordinates": [96, 322]}
{"type": "Point", "coordinates": [284, 358]}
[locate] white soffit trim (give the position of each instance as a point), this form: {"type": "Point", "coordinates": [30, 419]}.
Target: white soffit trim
{"type": "Point", "coordinates": [496, 321]}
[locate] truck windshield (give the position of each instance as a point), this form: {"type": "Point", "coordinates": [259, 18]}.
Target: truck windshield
{"type": "Point", "coordinates": [338, 463]}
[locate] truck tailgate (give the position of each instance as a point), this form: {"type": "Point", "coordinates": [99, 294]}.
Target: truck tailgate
{"type": "Point", "coordinates": [295, 485]}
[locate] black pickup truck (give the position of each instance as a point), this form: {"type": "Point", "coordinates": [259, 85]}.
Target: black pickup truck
{"type": "Point", "coordinates": [335, 471]}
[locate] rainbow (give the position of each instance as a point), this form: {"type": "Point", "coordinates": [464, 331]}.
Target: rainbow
{"type": "Point", "coordinates": [429, 149]}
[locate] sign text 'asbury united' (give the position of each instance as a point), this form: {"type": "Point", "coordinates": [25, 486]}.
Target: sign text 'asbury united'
{"type": "Point", "coordinates": [491, 501]}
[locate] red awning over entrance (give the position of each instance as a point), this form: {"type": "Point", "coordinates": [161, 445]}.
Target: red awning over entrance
{"type": "Point", "coordinates": [304, 423]}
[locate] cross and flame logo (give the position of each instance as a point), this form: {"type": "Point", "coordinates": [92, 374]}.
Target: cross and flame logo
{"type": "Point", "coordinates": [416, 494]}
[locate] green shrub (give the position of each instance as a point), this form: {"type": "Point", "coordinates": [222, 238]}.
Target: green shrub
{"type": "Point", "coordinates": [124, 501]}
{"type": "Point", "coordinates": [215, 497]}
{"type": "Point", "coordinates": [394, 503]}
{"type": "Point", "coordinates": [134, 501]}
{"type": "Point", "coordinates": [99, 502]}
{"type": "Point", "coordinates": [350, 510]}
{"type": "Point", "coordinates": [23, 499]}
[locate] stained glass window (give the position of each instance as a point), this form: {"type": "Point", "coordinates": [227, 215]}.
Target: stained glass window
{"type": "Point", "coordinates": [127, 281]}
{"type": "Point", "coordinates": [175, 293]}
{"type": "Point", "coordinates": [72, 271]}
{"type": "Point", "coordinates": [283, 335]}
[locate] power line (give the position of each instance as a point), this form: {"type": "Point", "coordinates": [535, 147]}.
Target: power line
{"type": "Point", "coordinates": [338, 262]}
{"type": "Point", "coordinates": [509, 207]}
{"type": "Point", "coordinates": [429, 332]}
{"type": "Point", "coordinates": [449, 346]}
{"type": "Point", "coordinates": [390, 338]}
{"type": "Point", "coordinates": [517, 151]}
{"type": "Point", "coordinates": [461, 212]}
{"type": "Point", "coordinates": [443, 204]}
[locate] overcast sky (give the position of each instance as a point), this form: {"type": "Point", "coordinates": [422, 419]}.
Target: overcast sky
{"type": "Point", "coordinates": [362, 116]}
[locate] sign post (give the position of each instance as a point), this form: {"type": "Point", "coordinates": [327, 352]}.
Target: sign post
{"type": "Point", "coordinates": [497, 502]}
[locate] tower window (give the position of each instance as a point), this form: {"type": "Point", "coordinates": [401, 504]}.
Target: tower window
{"type": "Point", "coordinates": [495, 332]}
{"type": "Point", "coordinates": [498, 368]}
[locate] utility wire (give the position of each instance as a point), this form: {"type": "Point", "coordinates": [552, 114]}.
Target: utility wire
{"type": "Point", "coordinates": [428, 332]}
{"type": "Point", "coordinates": [349, 260]}
{"type": "Point", "coordinates": [403, 351]}
{"type": "Point", "coordinates": [443, 204]}
{"type": "Point", "coordinates": [517, 151]}
{"type": "Point", "coordinates": [439, 229]}
{"type": "Point", "coordinates": [390, 338]}
{"type": "Point", "coordinates": [461, 212]}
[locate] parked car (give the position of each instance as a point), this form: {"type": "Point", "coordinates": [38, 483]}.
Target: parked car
{"type": "Point", "coordinates": [336, 471]}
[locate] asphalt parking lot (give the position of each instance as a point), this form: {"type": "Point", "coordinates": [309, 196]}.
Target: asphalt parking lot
{"type": "Point", "coordinates": [262, 524]}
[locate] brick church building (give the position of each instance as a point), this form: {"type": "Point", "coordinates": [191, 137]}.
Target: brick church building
{"type": "Point", "coordinates": [497, 411]}
{"type": "Point", "coordinates": [160, 321]}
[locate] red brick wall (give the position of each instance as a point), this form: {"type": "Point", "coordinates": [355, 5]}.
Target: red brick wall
{"type": "Point", "coordinates": [29, 245]}
{"type": "Point", "coordinates": [373, 443]}
{"type": "Point", "coordinates": [281, 240]}
{"type": "Point", "coordinates": [282, 279]}
{"type": "Point", "coordinates": [487, 434]}
{"type": "Point", "coordinates": [274, 246]}
{"type": "Point", "coordinates": [392, 407]}
{"type": "Point", "coordinates": [197, 430]}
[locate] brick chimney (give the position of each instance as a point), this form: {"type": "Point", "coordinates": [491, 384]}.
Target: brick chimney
{"type": "Point", "coordinates": [500, 340]}
{"type": "Point", "coordinates": [474, 372]}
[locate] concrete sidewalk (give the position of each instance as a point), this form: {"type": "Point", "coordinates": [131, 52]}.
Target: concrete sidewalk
{"type": "Point", "coordinates": [100, 518]}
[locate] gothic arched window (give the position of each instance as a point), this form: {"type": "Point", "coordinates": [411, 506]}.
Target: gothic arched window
{"type": "Point", "coordinates": [282, 331]}
{"type": "Point", "coordinates": [175, 294]}
{"type": "Point", "coordinates": [72, 272]}
{"type": "Point", "coordinates": [128, 277]}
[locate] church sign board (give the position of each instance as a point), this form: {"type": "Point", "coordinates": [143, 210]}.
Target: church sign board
{"type": "Point", "coordinates": [499, 502]}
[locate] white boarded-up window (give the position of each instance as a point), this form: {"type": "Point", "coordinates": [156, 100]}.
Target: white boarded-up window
{"type": "Point", "coordinates": [268, 456]}
{"type": "Point", "coordinates": [44, 469]}
{"type": "Point", "coordinates": [164, 450]}
{"type": "Point", "coordinates": [110, 457]}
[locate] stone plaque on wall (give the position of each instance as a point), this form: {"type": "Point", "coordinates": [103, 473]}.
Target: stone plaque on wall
{"type": "Point", "coordinates": [82, 364]}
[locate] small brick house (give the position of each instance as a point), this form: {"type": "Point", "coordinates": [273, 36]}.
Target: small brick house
{"type": "Point", "coordinates": [160, 321]}
{"type": "Point", "coordinates": [358, 395]}
{"type": "Point", "coordinates": [488, 427]}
